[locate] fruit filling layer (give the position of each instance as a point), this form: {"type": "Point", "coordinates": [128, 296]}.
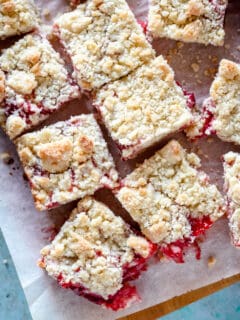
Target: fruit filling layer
{"type": "Point", "coordinates": [190, 21]}
{"type": "Point", "coordinates": [104, 41]}
{"type": "Point", "coordinates": [66, 161]}
{"type": "Point", "coordinates": [33, 84]}
{"type": "Point", "coordinates": [170, 198]}
{"type": "Point", "coordinates": [96, 254]}
{"type": "Point", "coordinates": [150, 97]}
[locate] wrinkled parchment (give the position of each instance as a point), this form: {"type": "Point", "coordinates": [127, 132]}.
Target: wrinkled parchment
{"type": "Point", "coordinates": [27, 230]}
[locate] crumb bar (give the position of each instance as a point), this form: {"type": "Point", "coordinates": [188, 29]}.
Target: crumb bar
{"type": "Point", "coordinates": [189, 21]}
{"type": "Point", "coordinates": [96, 254]}
{"type": "Point", "coordinates": [66, 161]}
{"type": "Point", "coordinates": [17, 17]}
{"type": "Point", "coordinates": [170, 197]}
{"type": "Point", "coordinates": [104, 41]}
{"type": "Point", "coordinates": [232, 186]}
{"type": "Point", "coordinates": [224, 93]}
{"type": "Point", "coordinates": [143, 107]}
{"type": "Point", "coordinates": [33, 84]}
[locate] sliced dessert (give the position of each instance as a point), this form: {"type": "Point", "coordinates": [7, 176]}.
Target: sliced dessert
{"type": "Point", "coordinates": [66, 161]}
{"type": "Point", "coordinates": [96, 254]}
{"type": "Point", "coordinates": [171, 199]}
{"type": "Point", "coordinates": [33, 84]}
{"type": "Point", "coordinates": [232, 186]}
{"type": "Point", "coordinates": [143, 107]}
{"type": "Point", "coordinates": [188, 20]}
{"type": "Point", "coordinates": [103, 40]}
{"type": "Point", "coordinates": [17, 17]}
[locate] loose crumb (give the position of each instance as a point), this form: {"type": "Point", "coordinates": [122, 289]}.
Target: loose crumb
{"type": "Point", "coordinates": [6, 158]}
{"type": "Point", "coordinates": [195, 67]}
{"type": "Point", "coordinates": [211, 261]}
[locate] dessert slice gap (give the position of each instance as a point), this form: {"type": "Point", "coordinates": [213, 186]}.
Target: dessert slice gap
{"type": "Point", "coordinates": [171, 199]}
{"type": "Point", "coordinates": [231, 166]}
{"type": "Point", "coordinates": [17, 17]}
{"type": "Point", "coordinates": [96, 254]}
{"type": "Point", "coordinates": [66, 161]}
{"type": "Point", "coordinates": [221, 111]}
{"type": "Point", "coordinates": [103, 40]}
{"type": "Point", "coordinates": [142, 108]}
{"type": "Point", "coordinates": [33, 84]}
{"type": "Point", "coordinates": [199, 21]}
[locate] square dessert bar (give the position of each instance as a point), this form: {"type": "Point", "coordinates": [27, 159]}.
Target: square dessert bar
{"type": "Point", "coordinates": [17, 17]}
{"type": "Point", "coordinates": [143, 107]}
{"type": "Point", "coordinates": [170, 198]}
{"type": "Point", "coordinates": [33, 84]}
{"type": "Point", "coordinates": [96, 254]}
{"type": "Point", "coordinates": [225, 100]}
{"type": "Point", "coordinates": [66, 161]}
{"type": "Point", "coordinates": [189, 21]}
{"type": "Point", "coordinates": [232, 185]}
{"type": "Point", "coordinates": [104, 41]}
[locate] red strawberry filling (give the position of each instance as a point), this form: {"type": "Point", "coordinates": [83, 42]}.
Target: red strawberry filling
{"type": "Point", "coordinates": [143, 24]}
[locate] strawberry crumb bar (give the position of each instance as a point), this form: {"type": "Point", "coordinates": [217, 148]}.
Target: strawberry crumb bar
{"type": "Point", "coordinates": [33, 84]}
{"type": "Point", "coordinates": [143, 107]}
{"type": "Point", "coordinates": [171, 199]}
{"type": "Point", "coordinates": [17, 17]}
{"type": "Point", "coordinates": [95, 254]}
{"type": "Point", "coordinates": [232, 186]}
{"type": "Point", "coordinates": [189, 21]}
{"type": "Point", "coordinates": [103, 40]}
{"type": "Point", "coordinates": [66, 161]}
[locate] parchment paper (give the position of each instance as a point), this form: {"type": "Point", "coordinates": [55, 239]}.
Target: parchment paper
{"type": "Point", "coordinates": [25, 229]}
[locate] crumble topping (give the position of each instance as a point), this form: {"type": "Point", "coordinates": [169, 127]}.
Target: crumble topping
{"type": "Point", "coordinates": [152, 98]}
{"type": "Point", "coordinates": [167, 191]}
{"type": "Point", "coordinates": [33, 84]}
{"type": "Point", "coordinates": [17, 17]}
{"type": "Point", "coordinates": [103, 40]}
{"type": "Point", "coordinates": [190, 21]}
{"type": "Point", "coordinates": [66, 161]}
{"type": "Point", "coordinates": [232, 185]}
{"type": "Point", "coordinates": [225, 96]}
{"type": "Point", "coordinates": [93, 249]}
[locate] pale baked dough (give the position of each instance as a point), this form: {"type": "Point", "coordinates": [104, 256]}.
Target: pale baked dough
{"type": "Point", "coordinates": [66, 161]}
{"type": "Point", "coordinates": [17, 17]}
{"type": "Point", "coordinates": [232, 186]}
{"type": "Point", "coordinates": [143, 107]}
{"type": "Point", "coordinates": [33, 84]}
{"type": "Point", "coordinates": [103, 40]}
{"type": "Point", "coordinates": [166, 191]}
{"type": "Point", "coordinates": [188, 20]}
{"type": "Point", "coordinates": [92, 249]}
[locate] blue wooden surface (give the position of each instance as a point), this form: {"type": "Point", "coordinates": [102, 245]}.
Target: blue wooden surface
{"type": "Point", "coordinates": [13, 305]}
{"type": "Point", "coordinates": [223, 305]}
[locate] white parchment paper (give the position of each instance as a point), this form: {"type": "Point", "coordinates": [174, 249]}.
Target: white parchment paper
{"type": "Point", "coordinates": [25, 229]}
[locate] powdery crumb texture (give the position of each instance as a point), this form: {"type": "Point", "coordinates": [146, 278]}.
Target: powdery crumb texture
{"type": "Point", "coordinates": [143, 107]}
{"type": "Point", "coordinates": [33, 84]}
{"type": "Point", "coordinates": [103, 40]}
{"type": "Point", "coordinates": [93, 252]}
{"type": "Point", "coordinates": [66, 161]}
{"type": "Point", "coordinates": [17, 17]}
{"type": "Point", "coordinates": [232, 186]}
{"type": "Point", "coordinates": [225, 92]}
{"type": "Point", "coordinates": [189, 21]}
{"type": "Point", "coordinates": [166, 191]}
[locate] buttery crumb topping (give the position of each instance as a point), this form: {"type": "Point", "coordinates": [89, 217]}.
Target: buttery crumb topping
{"type": "Point", "coordinates": [190, 21]}
{"type": "Point", "coordinates": [92, 249]}
{"type": "Point", "coordinates": [232, 186]}
{"type": "Point", "coordinates": [66, 161]}
{"type": "Point", "coordinates": [166, 191]}
{"type": "Point", "coordinates": [103, 40]}
{"type": "Point", "coordinates": [17, 17]}
{"type": "Point", "coordinates": [33, 84]}
{"type": "Point", "coordinates": [143, 107]}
